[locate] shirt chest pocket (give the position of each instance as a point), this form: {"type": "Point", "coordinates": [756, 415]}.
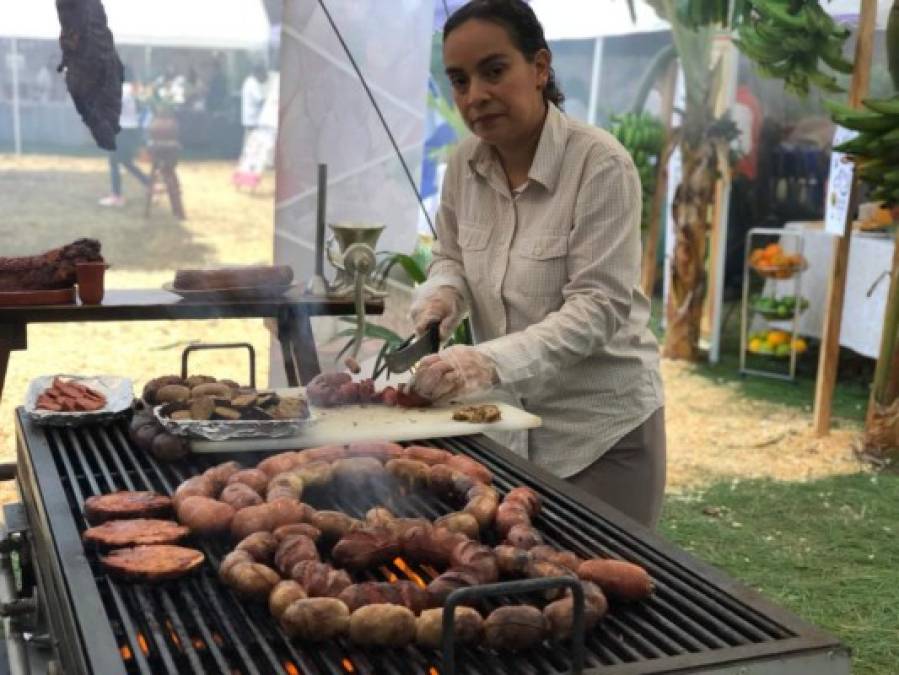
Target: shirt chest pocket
{"type": "Point", "coordinates": [539, 265]}
{"type": "Point", "coordinates": [473, 241]}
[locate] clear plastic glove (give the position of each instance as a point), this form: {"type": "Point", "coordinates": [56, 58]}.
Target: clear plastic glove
{"type": "Point", "coordinates": [442, 304]}
{"type": "Point", "coordinates": [455, 372]}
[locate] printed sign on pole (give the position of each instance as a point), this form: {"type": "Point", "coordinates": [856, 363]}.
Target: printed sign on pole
{"type": "Point", "coordinates": [839, 185]}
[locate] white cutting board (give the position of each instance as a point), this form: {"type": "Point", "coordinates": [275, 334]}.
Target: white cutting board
{"type": "Point", "coordinates": [347, 424]}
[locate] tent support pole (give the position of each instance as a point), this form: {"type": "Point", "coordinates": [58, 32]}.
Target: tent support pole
{"type": "Point", "coordinates": [16, 119]}
{"type": "Point", "coordinates": [595, 79]}
{"type": "Point", "coordinates": [829, 358]}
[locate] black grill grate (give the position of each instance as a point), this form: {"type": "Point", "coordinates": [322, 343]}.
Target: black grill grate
{"type": "Point", "coordinates": [197, 625]}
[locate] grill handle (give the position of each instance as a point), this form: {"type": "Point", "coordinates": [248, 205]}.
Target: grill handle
{"type": "Point", "coordinates": [222, 345]}
{"type": "Point", "coordinates": [514, 588]}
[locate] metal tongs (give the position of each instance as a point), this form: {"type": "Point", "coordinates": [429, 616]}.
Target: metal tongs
{"type": "Point", "coordinates": [405, 355]}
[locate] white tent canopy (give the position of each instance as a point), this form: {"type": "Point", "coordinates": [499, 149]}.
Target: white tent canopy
{"type": "Point", "coordinates": [200, 24]}
{"type": "Point", "coordinates": [579, 20]}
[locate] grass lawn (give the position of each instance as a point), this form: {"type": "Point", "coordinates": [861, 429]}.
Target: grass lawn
{"type": "Point", "coordinates": [826, 549]}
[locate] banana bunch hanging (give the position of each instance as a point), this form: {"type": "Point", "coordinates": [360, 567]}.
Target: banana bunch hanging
{"type": "Point", "coordinates": [789, 39]}
{"type": "Point", "coordinates": [643, 136]}
{"type": "Point", "coordinates": [875, 150]}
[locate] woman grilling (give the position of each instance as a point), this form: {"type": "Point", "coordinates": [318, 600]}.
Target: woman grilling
{"type": "Point", "coordinates": [539, 240]}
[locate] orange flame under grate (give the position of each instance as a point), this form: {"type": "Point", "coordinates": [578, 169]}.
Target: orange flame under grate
{"type": "Point", "coordinates": [290, 668]}
{"type": "Point", "coordinates": [218, 639]}
{"type": "Point", "coordinates": [348, 666]}
{"type": "Point", "coordinates": [173, 634]}
{"type": "Point", "coordinates": [433, 671]}
{"type": "Point", "coordinates": [198, 643]}
{"type": "Point", "coordinates": [142, 643]}
{"type": "Point", "coordinates": [126, 653]}
{"type": "Point", "coordinates": [405, 569]}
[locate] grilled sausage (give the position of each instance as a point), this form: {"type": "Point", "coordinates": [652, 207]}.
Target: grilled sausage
{"type": "Point", "coordinates": [314, 473]}
{"type": "Point", "coordinates": [564, 558]}
{"type": "Point", "coordinates": [382, 626]}
{"type": "Point", "coordinates": [292, 550]}
{"type": "Point", "coordinates": [253, 580]}
{"type": "Point", "coordinates": [196, 486]}
{"type": "Point", "coordinates": [255, 478]}
{"type": "Point", "coordinates": [468, 627]}
{"type": "Point", "coordinates": [511, 561]}
{"type": "Point", "coordinates": [430, 545]}
{"type": "Point", "coordinates": [541, 569]}
{"type": "Point", "coordinates": [283, 594]}
{"type": "Point", "coordinates": [471, 468]}
{"type": "Point", "coordinates": [220, 473]}
{"type": "Point", "coordinates": [327, 453]}
{"type": "Point", "coordinates": [320, 579]}
{"type": "Point", "coordinates": [618, 580]}
{"type": "Point", "coordinates": [366, 547]}
{"type": "Point", "coordinates": [524, 536]}
{"type": "Point", "coordinates": [287, 485]}
{"type": "Point", "coordinates": [560, 614]}
{"type": "Point", "coordinates": [230, 561]}
{"type": "Point", "coordinates": [425, 454]}
{"type": "Point", "coordinates": [401, 592]}
{"type": "Point", "coordinates": [483, 506]}
{"type": "Point", "coordinates": [527, 497]}
{"type": "Point", "coordinates": [316, 619]}
{"type": "Point", "coordinates": [478, 557]}
{"type": "Point", "coordinates": [239, 496]}
{"type": "Point", "coordinates": [453, 579]}
{"type": "Point", "coordinates": [205, 516]}
{"type": "Point", "coordinates": [381, 450]}
{"type": "Point", "coordinates": [409, 473]}
{"type": "Point", "coordinates": [515, 627]}
{"type": "Point", "coordinates": [279, 463]}
{"type": "Point", "coordinates": [267, 517]}
{"type": "Point", "coordinates": [379, 517]}
{"type": "Point", "coordinates": [333, 524]}
{"type": "Point", "coordinates": [508, 515]}
{"type": "Point", "coordinates": [260, 545]}
{"type": "Point", "coordinates": [305, 529]}
{"type": "Point", "coordinates": [460, 521]}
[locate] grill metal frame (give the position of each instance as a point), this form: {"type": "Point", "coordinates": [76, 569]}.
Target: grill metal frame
{"type": "Point", "coordinates": [700, 620]}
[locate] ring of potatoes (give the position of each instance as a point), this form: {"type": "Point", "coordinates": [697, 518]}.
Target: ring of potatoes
{"type": "Point", "coordinates": [279, 537]}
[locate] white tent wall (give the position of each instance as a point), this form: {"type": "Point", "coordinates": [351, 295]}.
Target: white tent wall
{"type": "Point", "coordinates": [326, 117]}
{"type": "Point", "coordinates": [187, 24]}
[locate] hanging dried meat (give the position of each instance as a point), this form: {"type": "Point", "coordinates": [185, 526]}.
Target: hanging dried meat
{"type": "Point", "coordinates": [92, 67]}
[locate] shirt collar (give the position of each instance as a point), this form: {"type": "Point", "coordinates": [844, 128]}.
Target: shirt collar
{"type": "Point", "coordinates": [547, 164]}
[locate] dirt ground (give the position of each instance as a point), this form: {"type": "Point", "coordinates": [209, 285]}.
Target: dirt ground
{"type": "Point", "coordinates": [46, 201]}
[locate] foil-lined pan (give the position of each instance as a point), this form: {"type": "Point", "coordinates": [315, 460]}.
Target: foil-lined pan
{"type": "Point", "coordinates": [223, 430]}
{"type": "Point", "coordinates": [119, 393]}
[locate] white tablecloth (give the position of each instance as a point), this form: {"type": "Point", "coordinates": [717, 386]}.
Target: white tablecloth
{"type": "Point", "coordinates": [870, 256]}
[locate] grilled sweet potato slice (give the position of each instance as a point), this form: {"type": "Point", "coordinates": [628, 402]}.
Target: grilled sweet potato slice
{"type": "Point", "coordinates": [139, 531]}
{"type": "Point", "coordinates": [153, 563]}
{"type": "Point", "coordinates": [124, 505]}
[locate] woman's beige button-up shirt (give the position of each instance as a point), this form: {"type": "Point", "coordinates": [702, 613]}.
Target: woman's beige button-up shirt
{"type": "Point", "coordinates": [551, 275]}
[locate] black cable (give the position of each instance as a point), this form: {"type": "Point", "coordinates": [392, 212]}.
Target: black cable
{"type": "Point", "coordinates": [371, 97]}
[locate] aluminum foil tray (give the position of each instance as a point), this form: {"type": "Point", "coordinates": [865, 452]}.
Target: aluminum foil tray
{"type": "Point", "coordinates": [119, 393]}
{"type": "Point", "coordinates": [224, 430]}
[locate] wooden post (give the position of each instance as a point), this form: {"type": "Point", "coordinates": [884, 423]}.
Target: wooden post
{"type": "Point", "coordinates": [669, 84]}
{"type": "Point", "coordinates": [836, 291]}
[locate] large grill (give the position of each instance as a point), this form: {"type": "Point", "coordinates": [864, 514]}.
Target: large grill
{"type": "Point", "coordinates": [698, 620]}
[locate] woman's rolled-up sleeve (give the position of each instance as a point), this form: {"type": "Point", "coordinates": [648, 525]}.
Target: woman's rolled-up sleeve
{"type": "Point", "coordinates": [603, 266]}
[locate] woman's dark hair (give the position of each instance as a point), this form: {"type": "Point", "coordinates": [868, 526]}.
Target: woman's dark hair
{"type": "Point", "coordinates": [517, 17]}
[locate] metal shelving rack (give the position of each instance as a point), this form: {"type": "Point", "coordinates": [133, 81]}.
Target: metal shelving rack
{"type": "Point", "coordinates": [749, 274]}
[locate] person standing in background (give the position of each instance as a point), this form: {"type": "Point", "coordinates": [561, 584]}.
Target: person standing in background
{"type": "Point", "coordinates": [127, 143]}
{"type": "Point", "coordinates": [252, 98]}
